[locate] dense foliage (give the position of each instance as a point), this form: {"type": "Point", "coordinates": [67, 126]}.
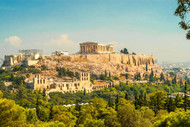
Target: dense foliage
{"type": "Point", "coordinates": [124, 105]}
{"type": "Point", "coordinates": [182, 11]}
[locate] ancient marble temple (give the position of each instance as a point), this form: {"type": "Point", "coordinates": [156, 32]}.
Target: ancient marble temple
{"type": "Point", "coordinates": [92, 47]}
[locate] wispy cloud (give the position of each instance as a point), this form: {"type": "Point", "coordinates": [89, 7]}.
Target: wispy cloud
{"type": "Point", "coordinates": [14, 41]}
{"type": "Point", "coordinates": [62, 41]}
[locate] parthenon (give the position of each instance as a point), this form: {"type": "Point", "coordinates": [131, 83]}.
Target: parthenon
{"type": "Point", "coordinates": [92, 47]}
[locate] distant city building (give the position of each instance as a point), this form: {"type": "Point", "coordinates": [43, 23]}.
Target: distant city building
{"type": "Point", "coordinates": [92, 47]}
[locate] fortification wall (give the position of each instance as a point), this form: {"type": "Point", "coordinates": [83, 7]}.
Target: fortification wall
{"type": "Point", "coordinates": [135, 60]}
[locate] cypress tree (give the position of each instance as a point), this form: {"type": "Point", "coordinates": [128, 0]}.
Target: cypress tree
{"type": "Point", "coordinates": [106, 73]}
{"type": "Point", "coordinates": [177, 101]}
{"type": "Point", "coordinates": [151, 76]}
{"type": "Point", "coordinates": [126, 76]}
{"type": "Point", "coordinates": [146, 67]}
{"type": "Point", "coordinates": [162, 78]}
{"type": "Point", "coordinates": [185, 97]}
{"type": "Point", "coordinates": [169, 104]}
{"type": "Point", "coordinates": [84, 91]}
{"type": "Point", "coordinates": [110, 104]}
{"type": "Point", "coordinates": [140, 101]}
{"type": "Point", "coordinates": [144, 99]}
{"type": "Point", "coordinates": [126, 96]}
{"type": "Point", "coordinates": [44, 92]}
{"type": "Point", "coordinates": [51, 112]}
{"type": "Point", "coordinates": [174, 81]}
{"type": "Point", "coordinates": [77, 106]}
{"type": "Point", "coordinates": [136, 101]}
{"type": "Point", "coordinates": [116, 102]}
{"type": "Point", "coordinates": [181, 81]}
{"type": "Point", "coordinates": [37, 105]}
{"type": "Point", "coordinates": [110, 74]}
{"type": "Point", "coordinates": [158, 104]}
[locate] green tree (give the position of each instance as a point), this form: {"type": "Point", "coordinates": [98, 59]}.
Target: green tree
{"type": "Point", "coordinates": [61, 114]}
{"type": "Point", "coordinates": [44, 92]}
{"type": "Point", "coordinates": [185, 97]}
{"type": "Point", "coordinates": [170, 104]}
{"type": "Point", "coordinates": [182, 11]}
{"type": "Point", "coordinates": [126, 76]}
{"type": "Point", "coordinates": [51, 112]}
{"type": "Point", "coordinates": [106, 74]}
{"type": "Point", "coordinates": [162, 78]}
{"type": "Point", "coordinates": [17, 68]}
{"type": "Point", "coordinates": [126, 96]}
{"type": "Point", "coordinates": [31, 117]}
{"type": "Point", "coordinates": [28, 75]}
{"type": "Point", "coordinates": [110, 101]}
{"type": "Point", "coordinates": [129, 117]}
{"type": "Point", "coordinates": [157, 100]}
{"type": "Point", "coordinates": [174, 80]}
{"type": "Point", "coordinates": [124, 51]}
{"type": "Point", "coordinates": [178, 101]}
{"type": "Point", "coordinates": [144, 99]}
{"type": "Point", "coordinates": [146, 67]}
{"type": "Point", "coordinates": [116, 101]}
{"type": "Point", "coordinates": [77, 106]}
{"type": "Point", "coordinates": [110, 74]}
{"type": "Point", "coordinates": [147, 113]}
{"type": "Point", "coordinates": [94, 123]}
{"type": "Point", "coordinates": [11, 114]}
{"type": "Point", "coordinates": [84, 92]}
{"type": "Point", "coordinates": [174, 119]}
{"type": "Point", "coordinates": [151, 77]}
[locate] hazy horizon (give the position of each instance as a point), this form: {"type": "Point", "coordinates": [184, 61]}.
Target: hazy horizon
{"type": "Point", "coordinates": [143, 26]}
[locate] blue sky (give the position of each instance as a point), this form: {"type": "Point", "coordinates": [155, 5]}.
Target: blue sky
{"type": "Point", "coordinates": [143, 26]}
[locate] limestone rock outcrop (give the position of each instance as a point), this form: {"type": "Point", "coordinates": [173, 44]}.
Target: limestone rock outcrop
{"type": "Point", "coordinates": [116, 64]}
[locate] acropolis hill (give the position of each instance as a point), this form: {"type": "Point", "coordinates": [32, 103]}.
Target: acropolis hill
{"type": "Point", "coordinates": [93, 59]}
{"type": "Point", "coordinates": [96, 58]}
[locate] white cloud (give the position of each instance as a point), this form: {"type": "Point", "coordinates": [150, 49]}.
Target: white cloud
{"type": "Point", "coordinates": [63, 41]}
{"type": "Point", "coordinates": [14, 41]}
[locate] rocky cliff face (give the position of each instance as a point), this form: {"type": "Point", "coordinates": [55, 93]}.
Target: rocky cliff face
{"type": "Point", "coordinates": [116, 64]}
